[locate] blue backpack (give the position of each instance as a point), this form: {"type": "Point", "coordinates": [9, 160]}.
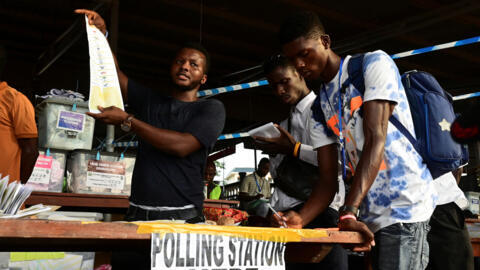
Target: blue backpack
{"type": "Point", "coordinates": [432, 114]}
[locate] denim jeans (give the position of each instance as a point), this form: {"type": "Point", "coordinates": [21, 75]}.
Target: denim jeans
{"type": "Point", "coordinates": [401, 246]}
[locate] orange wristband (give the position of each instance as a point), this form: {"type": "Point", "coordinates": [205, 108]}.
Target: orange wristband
{"type": "Point", "coordinates": [296, 149]}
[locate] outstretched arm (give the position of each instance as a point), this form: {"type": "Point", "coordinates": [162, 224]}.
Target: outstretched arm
{"type": "Point", "coordinates": [175, 143]}
{"type": "Point", "coordinates": [95, 19]}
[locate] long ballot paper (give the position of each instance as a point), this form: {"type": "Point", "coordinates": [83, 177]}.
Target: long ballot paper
{"type": "Point", "coordinates": [104, 87]}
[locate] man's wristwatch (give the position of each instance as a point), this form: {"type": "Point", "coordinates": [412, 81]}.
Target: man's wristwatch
{"type": "Point", "coordinates": [126, 125]}
{"type": "Point", "coordinates": [349, 209]}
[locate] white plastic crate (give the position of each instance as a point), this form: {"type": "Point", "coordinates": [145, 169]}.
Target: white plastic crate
{"type": "Point", "coordinates": [108, 175]}
{"type": "Point", "coordinates": [49, 177]}
{"type": "Point", "coordinates": [473, 201]}
{"type": "Point", "coordinates": [63, 124]}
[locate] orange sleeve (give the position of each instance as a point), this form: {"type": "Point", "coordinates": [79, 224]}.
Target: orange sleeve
{"type": "Point", "coordinates": [23, 116]}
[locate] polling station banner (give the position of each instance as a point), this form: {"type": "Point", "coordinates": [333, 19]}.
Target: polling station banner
{"type": "Point", "coordinates": [220, 252]}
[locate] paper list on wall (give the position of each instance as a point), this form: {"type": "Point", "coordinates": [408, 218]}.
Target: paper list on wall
{"type": "Point", "coordinates": [104, 86]}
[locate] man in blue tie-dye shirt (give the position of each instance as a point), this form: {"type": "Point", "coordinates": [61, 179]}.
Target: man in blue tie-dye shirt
{"type": "Point", "coordinates": [391, 185]}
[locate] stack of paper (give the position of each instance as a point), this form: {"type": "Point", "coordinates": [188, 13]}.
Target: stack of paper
{"type": "Point", "coordinates": [12, 196]}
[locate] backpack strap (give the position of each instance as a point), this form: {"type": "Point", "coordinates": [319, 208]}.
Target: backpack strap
{"type": "Point", "coordinates": [405, 132]}
{"type": "Point", "coordinates": [355, 73]}
{"type": "Point", "coordinates": [318, 115]}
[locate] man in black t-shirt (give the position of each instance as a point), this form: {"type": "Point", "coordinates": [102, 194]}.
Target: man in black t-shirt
{"type": "Point", "coordinates": [176, 133]}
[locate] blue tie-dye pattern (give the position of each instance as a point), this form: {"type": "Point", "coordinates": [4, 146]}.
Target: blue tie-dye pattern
{"type": "Point", "coordinates": [399, 82]}
{"type": "Point", "coordinates": [391, 185]}
{"type": "Point", "coordinates": [403, 106]}
{"type": "Point", "coordinates": [398, 184]}
{"type": "Point", "coordinates": [393, 96]}
{"type": "Point", "coordinates": [395, 183]}
{"type": "Point", "coordinates": [397, 171]}
{"type": "Point", "coordinates": [403, 213]}
{"type": "Point", "coordinates": [365, 207]}
{"type": "Point", "coordinates": [409, 148]}
{"type": "Point", "coordinates": [419, 162]}
{"type": "Point", "coordinates": [391, 137]}
{"type": "Point", "coordinates": [426, 175]}
{"type": "Point", "coordinates": [394, 195]}
{"type": "Point", "coordinates": [370, 59]}
{"type": "Point", "coordinates": [382, 200]}
{"type": "Point", "coordinates": [393, 66]}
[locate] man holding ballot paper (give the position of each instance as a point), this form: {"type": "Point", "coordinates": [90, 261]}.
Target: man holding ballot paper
{"type": "Point", "coordinates": [176, 133]}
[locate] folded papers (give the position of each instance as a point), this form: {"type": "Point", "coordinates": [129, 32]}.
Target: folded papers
{"type": "Point", "coordinates": [12, 197]}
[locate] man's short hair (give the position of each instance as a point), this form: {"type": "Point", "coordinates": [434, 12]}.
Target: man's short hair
{"type": "Point", "coordinates": [275, 61]}
{"type": "Point", "coordinates": [263, 161]}
{"type": "Point", "coordinates": [301, 24]}
{"type": "Point", "coordinates": [197, 46]}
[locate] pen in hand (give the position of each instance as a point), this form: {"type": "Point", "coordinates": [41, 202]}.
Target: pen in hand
{"type": "Point", "coordinates": [284, 224]}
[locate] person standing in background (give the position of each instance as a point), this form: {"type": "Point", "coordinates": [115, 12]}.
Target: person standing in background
{"type": "Point", "coordinates": [255, 190]}
{"type": "Point", "coordinates": [448, 238]}
{"type": "Point", "coordinates": [214, 191]}
{"type": "Point", "coordinates": [18, 131]}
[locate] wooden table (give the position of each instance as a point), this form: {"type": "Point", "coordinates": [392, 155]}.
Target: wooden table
{"type": "Point", "coordinates": [220, 203]}
{"type": "Point", "coordinates": [475, 246]}
{"type": "Point", "coordinates": [106, 203]}
{"type": "Point", "coordinates": [78, 200]}
{"type": "Point", "coordinates": [41, 235]}
{"type": "Point", "coordinates": [474, 239]}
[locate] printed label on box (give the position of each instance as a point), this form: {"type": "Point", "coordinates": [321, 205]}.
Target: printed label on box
{"type": "Point", "coordinates": [71, 121]}
{"type": "Point", "coordinates": [106, 174]}
{"type": "Point", "coordinates": [42, 170]}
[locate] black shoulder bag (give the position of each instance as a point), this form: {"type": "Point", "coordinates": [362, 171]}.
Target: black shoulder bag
{"type": "Point", "coordinates": [296, 177]}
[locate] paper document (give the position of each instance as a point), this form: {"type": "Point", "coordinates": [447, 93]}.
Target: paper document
{"type": "Point", "coordinates": [32, 210]}
{"type": "Point", "coordinates": [12, 196]}
{"type": "Point", "coordinates": [266, 131]}
{"type": "Point", "coordinates": [104, 87]}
